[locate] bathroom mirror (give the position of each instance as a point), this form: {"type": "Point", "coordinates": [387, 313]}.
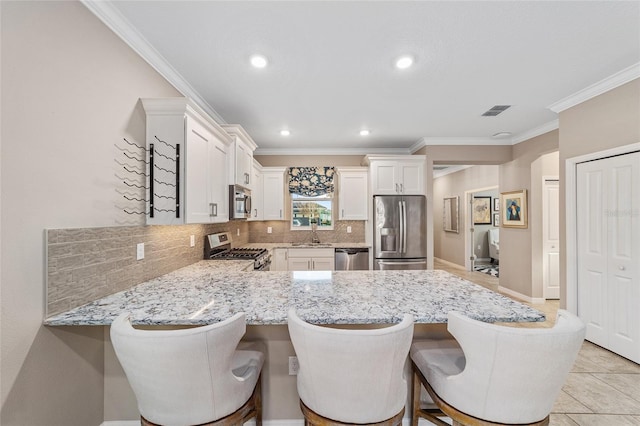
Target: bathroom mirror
{"type": "Point", "coordinates": [450, 218]}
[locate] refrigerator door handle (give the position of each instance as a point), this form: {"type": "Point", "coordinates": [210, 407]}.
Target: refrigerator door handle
{"type": "Point", "coordinates": [401, 221]}
{"type": "Point", "coordinates": [404, 220]}
{"type": "Point", "coordinates": [419, 262]}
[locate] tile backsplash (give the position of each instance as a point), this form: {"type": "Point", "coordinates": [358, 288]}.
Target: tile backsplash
{"type": "Point", "coordinates": [85, 264]}
{"type": "Point", "coordinates": [281, 232]}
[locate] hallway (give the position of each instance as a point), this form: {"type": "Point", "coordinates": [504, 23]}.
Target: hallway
{"type": "Point", "coordinates": [603, 389]}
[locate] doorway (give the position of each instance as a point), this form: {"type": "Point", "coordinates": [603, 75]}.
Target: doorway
{"type": "Point", "coordinates": [478, 221]}
{"type": "Point", "coordinates": [551, 238]}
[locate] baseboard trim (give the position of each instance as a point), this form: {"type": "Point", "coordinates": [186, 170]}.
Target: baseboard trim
{"type": "Point", "coordinates": [520, 296]}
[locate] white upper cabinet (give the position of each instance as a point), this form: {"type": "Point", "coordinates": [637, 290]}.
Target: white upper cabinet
{"type": "Point", "coordinates": [397, 175]}
{"type": "Point", "coordinates": [353, 200]}
{"type": "Point", "coordinates": [242, 155]}
{"type": "Point", "coordinates": [257, 192]}
{"type": "Point", "coordinates": [188, 164]}
{"type": "Point", "coordinates": [273, 193]}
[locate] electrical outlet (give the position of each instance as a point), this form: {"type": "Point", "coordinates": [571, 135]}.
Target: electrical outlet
{"type": "Point", "coordinates": [293, 366]}
{"type": "Point", "coordinates": [348, 229]}
{"type": "Point", "coordinates": [269, 230]}
{"type": "Point", "coordinates": [479, 247]}
{"type": "Point", "coordinates": [192, 241]}
{"type": "Point", "coordinates": [140, 251]}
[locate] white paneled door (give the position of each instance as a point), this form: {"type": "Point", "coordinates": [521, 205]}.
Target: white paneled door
{"type": "Point", "coordinates": [551, 239]}
{"type": "Point", "coordinates": [608, 241]}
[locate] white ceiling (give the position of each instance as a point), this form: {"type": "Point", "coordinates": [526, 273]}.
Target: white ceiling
{"type": "Point", "coordinates": [331, 67]}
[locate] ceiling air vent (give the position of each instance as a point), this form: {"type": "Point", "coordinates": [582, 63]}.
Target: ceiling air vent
{"type": "Point", "coordinates": [496, 110]}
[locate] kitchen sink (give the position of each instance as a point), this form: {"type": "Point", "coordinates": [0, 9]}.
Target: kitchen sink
{"type": "Point", "coordinates": [311, 245]}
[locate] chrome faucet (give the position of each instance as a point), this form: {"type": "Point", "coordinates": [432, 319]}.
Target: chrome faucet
{"type": "Point", "coordinates": [314, 234]}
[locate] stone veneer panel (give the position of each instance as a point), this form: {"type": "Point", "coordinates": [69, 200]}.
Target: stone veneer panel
{"type": "Point", "coordinates": [86, 264]}
{"type": "Point", "coordinates": [282, 233]}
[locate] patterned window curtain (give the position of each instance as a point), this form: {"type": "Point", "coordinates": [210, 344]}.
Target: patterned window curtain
{"type": "Point", "coordinates": [311, 181]}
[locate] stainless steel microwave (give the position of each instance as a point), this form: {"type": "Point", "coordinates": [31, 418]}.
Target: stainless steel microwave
{"type": "Point", "coordinates": [239, 202]}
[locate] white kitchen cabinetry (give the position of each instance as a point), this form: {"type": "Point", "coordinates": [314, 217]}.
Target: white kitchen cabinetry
{"type": "Point", "coordinates": [279, 260]}
{"type": "Point", "coordinates": [189, 164]}
{"type": "Point", "coordinates": [311, 259]}
{"type": "Point", "coordinates": [241, 171]}
{"type": "Point", "coordinates": [397, 175]}
{"type": "Point", "coordinates": [273, 207]}
{"type": "Point", "coordinates": [353, 200]}
{"type": "Point", "coordinates": [257, 193]}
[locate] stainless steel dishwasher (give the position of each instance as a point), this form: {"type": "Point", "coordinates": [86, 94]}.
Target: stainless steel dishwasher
{"type": "Point", "coordinates": [352, 259]}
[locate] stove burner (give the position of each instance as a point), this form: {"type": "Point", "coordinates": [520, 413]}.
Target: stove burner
{"type": "Point", "coordinates": [218, 246]}
{"type": "Point", "coordinates": [239, 253]}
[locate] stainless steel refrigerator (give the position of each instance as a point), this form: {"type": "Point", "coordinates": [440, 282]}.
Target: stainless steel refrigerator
{"type": "Point", "coordinates": [400, 232]}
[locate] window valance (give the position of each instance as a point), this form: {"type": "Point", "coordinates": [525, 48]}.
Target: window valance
{"type": "Point", "coordinates": [311, 181]}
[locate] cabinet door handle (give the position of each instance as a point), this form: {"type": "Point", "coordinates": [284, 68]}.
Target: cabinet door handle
{"type": "Point", "coordinates": [397, 188]}
{"type": "Point", "coordinates": [308, 264]}
{"type": "Point", "coordinates": [343, 213]}
{"type": "Point", "coordinates": [402, 188]}
{"type": "Point", "coordinates": [214, 209]}
{"type": "Point", "coordinates": [280, 213]}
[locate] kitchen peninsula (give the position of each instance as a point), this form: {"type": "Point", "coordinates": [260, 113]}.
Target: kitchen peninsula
{"type": "Point", "coordinates": [211, 291]}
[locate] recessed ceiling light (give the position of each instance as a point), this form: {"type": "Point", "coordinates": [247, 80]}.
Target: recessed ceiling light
{"type": "Point", "coordinates": [502, 135]}
{"type": "Point", "coordinates": [364, 132]}
{"type": "Point", "coordinates": [259, 61]}
{"type": "Point", "coordinates": [404, 62]}
{"type": "Point", "coordinates": [285, 132]}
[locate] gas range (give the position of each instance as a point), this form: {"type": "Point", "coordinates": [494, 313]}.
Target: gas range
{"type": "Point", "coordinates": [218, 246]}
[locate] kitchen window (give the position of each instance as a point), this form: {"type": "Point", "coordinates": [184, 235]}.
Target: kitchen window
{"type": "Point", "coordinates": [307, 210]}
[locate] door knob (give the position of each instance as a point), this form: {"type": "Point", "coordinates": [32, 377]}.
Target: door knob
{"type": "Point", "coordinates": [622, 268]}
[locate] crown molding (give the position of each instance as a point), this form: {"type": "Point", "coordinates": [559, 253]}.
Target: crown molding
{"type": "Point", "coordinates": [429, 141]}
{"type": "Point", "coordinates": [449, 170]}
{"type": "Point", "coordinates": [618, 79]}
{"type": "Point", "coordinates": [537, 131]}
{"type": "Point", "coordinates": [331, 151]}
{"type": "Point", "coordinates": [115, 21]}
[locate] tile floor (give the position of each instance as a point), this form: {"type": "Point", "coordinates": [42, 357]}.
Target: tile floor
{"type": "Point", "coordinates": [603, 389]}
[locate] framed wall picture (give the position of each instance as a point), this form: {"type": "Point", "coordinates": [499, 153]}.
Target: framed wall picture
{"type": "Point", "coordinates": [482, 210]}
{"type": "Point", "coordinates": [496, 204]}
{"type": "Point", "coordinates": [450, 214]}
{"type": "Point", "coordinates": [514, 209]}
{"type": "Point", "coordinates": [496, 218]}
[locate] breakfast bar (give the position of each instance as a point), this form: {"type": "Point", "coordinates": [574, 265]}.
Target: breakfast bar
{"type": "Point", "coordinates": [209, 291]}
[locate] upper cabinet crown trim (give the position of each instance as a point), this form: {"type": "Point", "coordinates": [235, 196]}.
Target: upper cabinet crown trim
{"type": "Point", "coordinates": [182, 105]}
{"type": "Point", "coordinates": [238, 130]}
{"type": "Point", "coordinates": [368, 158]}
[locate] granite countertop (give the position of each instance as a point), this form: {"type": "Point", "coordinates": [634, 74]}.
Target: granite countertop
{"type": "Point", "coordinates": [271, 246]}
{"type": "Point", "coordinates": [210, 291]}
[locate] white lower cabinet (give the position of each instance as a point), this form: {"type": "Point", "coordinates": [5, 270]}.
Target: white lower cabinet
{"type": "Point", "coordinates": [311, 259]}
{"type": "Point", "coordinates": [279, 260]}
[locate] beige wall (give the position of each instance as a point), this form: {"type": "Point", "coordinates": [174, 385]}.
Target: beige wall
{"type": "Point", "coordinates": [516, 244]}
{"type": "Point", "coordinates": [467, 154]}
{"type": "Point", "coordinates": [309, 160]}
{"type": "Point", "coordinates": [70, 91]}
{"type": "Point", "coordinates": [607, 121]}
{"type": "Point", "coordinates": [450, 246]}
